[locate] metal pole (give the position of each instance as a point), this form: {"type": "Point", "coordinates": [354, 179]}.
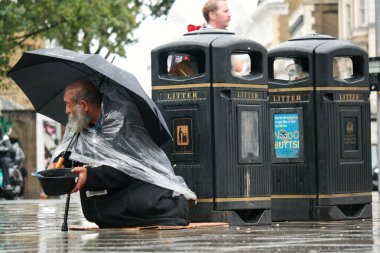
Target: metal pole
{"type": "Point", "coordinates": [64, 224]}
{"type": "Point", "coordinates": [377, 39]}
{"type": "Point", "coordinates": [377, 26]}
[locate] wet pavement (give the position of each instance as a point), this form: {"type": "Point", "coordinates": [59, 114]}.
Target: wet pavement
{"type": "Point", "coordinates": [35, 226]}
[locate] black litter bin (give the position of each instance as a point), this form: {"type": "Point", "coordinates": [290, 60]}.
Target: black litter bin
{"type": "Point", "coordinates": [320, 130]}
{"type": "Point", "coordinates": [211, 87]}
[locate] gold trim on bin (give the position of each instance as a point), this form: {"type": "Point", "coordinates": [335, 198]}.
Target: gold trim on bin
{"type": "Point", "coordinates": [181, 86]}
{"type": "Point", "coordinates": [245, 199]}
{"type": "Point", "coordinates": [322, 196]}
{"type": "Point", "coordinates": [208, 85]}
{"type": "Point", "coordinates": [239, 85]}
{"type": "Point", "coordinates": [295, 196]}
{"type": "Point", "coordinates": [290, 89]}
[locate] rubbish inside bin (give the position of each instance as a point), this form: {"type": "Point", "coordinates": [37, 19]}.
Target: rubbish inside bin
{"type": "Point", "coordinates": [56, 181]}
{"type": "Point", "coordinates": [183, 69]}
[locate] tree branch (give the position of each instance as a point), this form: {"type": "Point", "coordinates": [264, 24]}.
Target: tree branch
{"type": "Point", "coordinates": [108, 54]}
{"type": "Point", "coordinates": [27, 36]}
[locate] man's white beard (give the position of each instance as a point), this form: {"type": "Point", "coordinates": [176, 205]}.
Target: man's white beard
{"type": "Point", "coordinates": [80, 120]}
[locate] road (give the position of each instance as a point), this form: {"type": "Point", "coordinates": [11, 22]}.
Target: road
{"type": "Point", "coordinates": [35, 226]}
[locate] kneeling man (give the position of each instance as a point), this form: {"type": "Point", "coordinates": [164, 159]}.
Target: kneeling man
{"type": "Point", "coordinates": [125, 179]}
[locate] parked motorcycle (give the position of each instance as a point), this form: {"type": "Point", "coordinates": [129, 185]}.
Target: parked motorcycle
{"type": "Point", "coordinates": [13, 154]}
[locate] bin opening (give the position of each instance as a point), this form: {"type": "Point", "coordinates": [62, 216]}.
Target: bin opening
{"type": "Point", "coordinates": [241, 64]}
{"type": "Point", "coordinates": [246, 64]}
{"type": "Point", "coordinates": [347, 68]}
{"type": "Point", "coordinates": [290, 69]}
{"type": "Point", "coordinates": [342, 68]}
{"type": "Point", "coordinates": [183, 65]}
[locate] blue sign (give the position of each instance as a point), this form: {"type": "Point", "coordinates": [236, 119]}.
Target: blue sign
{"type": "Point", "coordinates": [286, 135]}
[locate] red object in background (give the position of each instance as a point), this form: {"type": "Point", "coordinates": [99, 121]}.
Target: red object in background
{"type": "Point", "coordinates": [191, 28]}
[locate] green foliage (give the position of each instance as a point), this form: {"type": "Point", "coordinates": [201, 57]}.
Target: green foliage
{"type": "Point", "coordinates": [88, 26]}
{"type": "Point", "coordinates": [160, 8]}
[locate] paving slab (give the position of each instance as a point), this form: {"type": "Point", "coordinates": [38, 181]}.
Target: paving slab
{"type": "Point", "coordinates": [35, 226]}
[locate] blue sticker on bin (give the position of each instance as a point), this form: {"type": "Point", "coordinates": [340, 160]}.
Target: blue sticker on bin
{"type": "Point", "coordinates": [286, 135]}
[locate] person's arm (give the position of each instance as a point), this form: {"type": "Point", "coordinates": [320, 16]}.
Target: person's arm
{"type": "Point", "coordinates": [106, 177]}
{"type": "Point", "coordinates": [101, 178]}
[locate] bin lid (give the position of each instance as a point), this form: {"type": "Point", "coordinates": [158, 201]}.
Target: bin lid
{"type": "Point", "coordinates": [304, 45]}
{"type": "Point", "coordinates": [315, 36]}
{"type": "Point", "coordinates": [209, 31]}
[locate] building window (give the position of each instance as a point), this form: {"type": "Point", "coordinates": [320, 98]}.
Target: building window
{"type": "Point", "coordinates": [349, 21]}
{"type": "Point", "coordinates": [362, 13]}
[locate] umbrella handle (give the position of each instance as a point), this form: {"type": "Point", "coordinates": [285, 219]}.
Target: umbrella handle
{"type": "Point", "coordinates": [62, 159]}
{"type": "Point", "coordinates": [60, 162]}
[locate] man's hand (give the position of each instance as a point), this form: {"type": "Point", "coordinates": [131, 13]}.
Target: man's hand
{"type": "Point", "coordinates": [82, 177]}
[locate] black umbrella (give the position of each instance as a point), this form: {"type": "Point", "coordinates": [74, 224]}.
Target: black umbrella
{"type": "Point", "coordinates": [43, 74]}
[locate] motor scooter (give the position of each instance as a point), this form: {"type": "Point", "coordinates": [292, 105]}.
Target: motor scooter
{"type": "Point", "coordinates": [12, 154]}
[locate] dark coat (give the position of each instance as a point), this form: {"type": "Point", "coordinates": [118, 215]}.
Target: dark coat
{"type": "Point", "coordinates": [129, 202]}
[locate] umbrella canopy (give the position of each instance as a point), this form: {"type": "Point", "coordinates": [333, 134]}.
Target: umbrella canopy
{"type": "Point", "coordinates": [43, 75]}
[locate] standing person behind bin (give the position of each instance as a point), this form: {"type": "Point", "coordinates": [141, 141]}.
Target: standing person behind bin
{"type": "Point", "coordinates": [116, 161]}
{"type": "Point", "coordinates": [218, 16]}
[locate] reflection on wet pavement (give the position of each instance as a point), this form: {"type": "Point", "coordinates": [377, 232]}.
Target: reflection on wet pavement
{"type": "Point", "coordinates": [35, 226]}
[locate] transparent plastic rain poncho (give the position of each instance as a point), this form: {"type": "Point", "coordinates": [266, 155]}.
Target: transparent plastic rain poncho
{"type": "Point", "coordinates": [123, 143]}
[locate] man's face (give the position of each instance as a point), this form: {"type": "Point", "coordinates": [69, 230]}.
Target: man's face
{"type": "Point", "coordinates": [221, 17]}
{"type": "Point", "coordinates": [78, 118]}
